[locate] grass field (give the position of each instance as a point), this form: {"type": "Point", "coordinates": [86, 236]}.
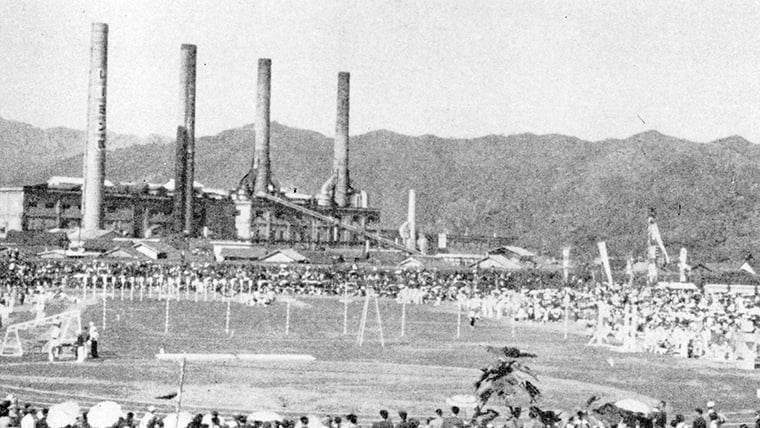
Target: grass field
{"type": "Point", "coordinates": [416, 372]}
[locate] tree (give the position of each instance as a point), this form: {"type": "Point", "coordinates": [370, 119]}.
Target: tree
{"type": "Point", "coordinates": [506, 379]}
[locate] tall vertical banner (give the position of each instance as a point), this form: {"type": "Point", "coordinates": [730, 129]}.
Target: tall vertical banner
{"type": "Point", "coordinates": [682, 265]}
{"type": "Point", "coordinates": [652, 265]}
{"type": "Point", "coordinates": [566, 263]}
{"type": "Point", "coordinates": [605, 261]}
{"type": "Point", "coordinates": [629, 270]}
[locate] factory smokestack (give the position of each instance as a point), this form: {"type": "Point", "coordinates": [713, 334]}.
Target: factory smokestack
{"type": "Point", "coordinates": [340, 157]}
{"type": "Point", "coordinates": [412, 220]}
{"type": "Point", "coordinates": [184, 156]}
{"type": "Point", "coordinates": [94, 153]}
{"type": "Point", "coordinates": [261, 165]}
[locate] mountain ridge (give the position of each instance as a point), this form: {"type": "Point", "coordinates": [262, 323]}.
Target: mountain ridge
{"type": "Point", "coordinates": [547, 190]}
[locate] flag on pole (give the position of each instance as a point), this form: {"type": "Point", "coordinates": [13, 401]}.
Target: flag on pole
{"type": "Point", "coordinates": [682, 266]}
{"type": "Point", "coordinates": [565, 263]}
{"type": "Point", "coordinates": [605, 261]}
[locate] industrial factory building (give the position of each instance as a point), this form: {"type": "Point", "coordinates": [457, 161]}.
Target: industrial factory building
{"type": "Point", "coordinates": [257, 211]}
{"type": "Point", "coordinates": [132, 210]}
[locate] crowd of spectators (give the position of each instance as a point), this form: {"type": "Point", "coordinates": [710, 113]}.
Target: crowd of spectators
{"type": "Point", "coordinates": [686, 323]}
{"type": "Point", "coordinates": [13, 414]}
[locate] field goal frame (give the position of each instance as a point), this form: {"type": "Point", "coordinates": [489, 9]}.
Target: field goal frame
{"type": "Point", "coordinates": [13, 346]}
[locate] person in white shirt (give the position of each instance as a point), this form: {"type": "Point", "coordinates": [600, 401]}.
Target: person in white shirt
{"type": "Point", "coordinates": [148, 417]}
{"type": "Point", "coordinates": [28, 420]}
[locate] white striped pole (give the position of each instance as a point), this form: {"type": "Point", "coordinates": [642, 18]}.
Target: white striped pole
{"type": "Point", "coordinates": [187, 288]}
{"type": "Point", "coordinates": [142, 287]}
{"type": "Point", "coordinates": [287, 319]}
{"type": "Point", "coordinates": [104, 312]}
{"type": "Point", "coordinates": [123, 284]}
{"type": "Point", "coordinates": [132, 289]}
{"type": "Point", "coordinates": [345, 308]}
{"type": "Point", "coordinates": [166, 320]}
{"type": "Point", "coordinates": [459, 319]}
{"type": "Point", "coordinates": [403, 319]}
{"type": "Point", "coordinates": [227, 322]}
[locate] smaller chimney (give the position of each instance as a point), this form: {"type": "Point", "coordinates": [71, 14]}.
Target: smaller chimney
{"type": "Point", "coordinates": [261, 164]}
{"type": "Point", "coordinates": [340, 158]}
{"type": "Point", "coordinates": [94, 169]}
{"type": "Point", "coordinates": [411, 220]}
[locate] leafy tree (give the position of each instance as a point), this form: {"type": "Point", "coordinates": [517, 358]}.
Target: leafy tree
{"type": "Point", "coordinates": [506, 379]}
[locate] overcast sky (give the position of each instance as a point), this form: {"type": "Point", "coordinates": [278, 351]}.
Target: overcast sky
{"type": "Point", "coordinates": [589, 69]}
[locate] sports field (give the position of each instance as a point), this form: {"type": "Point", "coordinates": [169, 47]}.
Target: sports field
{"type": "Point", "coordinates": [416, 372]}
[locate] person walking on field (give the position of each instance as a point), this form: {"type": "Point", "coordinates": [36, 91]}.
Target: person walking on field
{"type": "Point", "coordinates": [94, 336]}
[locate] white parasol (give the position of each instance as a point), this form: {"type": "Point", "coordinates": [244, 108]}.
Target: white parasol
{"type": "Point", "coordinates": [104, 414]}
{"type": "Point", "coordinates": [632, 405]}
{"type": "Point", "coordinates": [264, 416]}
{"type": "Point", "coordinates": [63, 414]}
{"type": "Point", "coordinates": [170, 421]}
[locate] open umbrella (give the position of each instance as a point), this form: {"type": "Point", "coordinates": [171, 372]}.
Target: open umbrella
{"type": "Point", "coordinates": [463, 401]}
{"type": "Point", "coordinates": [170, 421]}
{"type": "Point", "coordinates": [315, 422]}
{"type": "Point", "coordinates": [104, 414]}
{"type": "Point", "coordinates": [264, 416]}
{"type": "Point", "coordinates": [62, 414]}
{"type": "Point", "coordinates": [632, 405]}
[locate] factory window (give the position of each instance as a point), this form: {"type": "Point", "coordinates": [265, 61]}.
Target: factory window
{"type": "Point", "coordinates": [111, 209]}
{"type": "Point", "coordinates": [66, 206]}
{"type": "Point", "coordinates": [49, 205]}
{"type": "Point", "coordinates": [32, 204]}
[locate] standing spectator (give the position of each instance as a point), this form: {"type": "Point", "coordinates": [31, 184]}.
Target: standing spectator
{"type": "Point", "coordinates": [437, 421]}
{"type": "Point", "coordinates": [453, 421]}
{"type": "Point", "coordinates": [660, 416]}
{"type": "Point", "coordinates": [149, 419]}
{"type": "Point", "coordinates": [28, 420]}
{"type": "Point", "coordinates": [94, 336]}
{"type": "Point", "coordinates": [351, 421]}
{"type": "Point", "coordinates": [385, 421]}
{"type": "Point", "coordinates": [403, 424]}
{"type": "Point", "coordinates": [42, 419]}
{"type": "Point", "coordinates": [699, 420]}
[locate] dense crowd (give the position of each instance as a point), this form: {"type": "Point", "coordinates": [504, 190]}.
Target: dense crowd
{"type": "Point", "coordinates": [687, 323]}
{"type": "Point", "coordinates": [13, 414]}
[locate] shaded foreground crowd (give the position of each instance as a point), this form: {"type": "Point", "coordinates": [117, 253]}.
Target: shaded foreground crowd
{"type": "Point", "coordinates": [686, 323]}
{"type": "Point", "coordinates": [13, 414]}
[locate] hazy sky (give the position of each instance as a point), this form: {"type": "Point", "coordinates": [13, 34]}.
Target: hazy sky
{"type": "Point", "coordinates": [449, 68]}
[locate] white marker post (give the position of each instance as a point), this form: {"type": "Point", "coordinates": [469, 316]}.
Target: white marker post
{"type": "Point", "coordinates": [187, 288]}
{"type": "Point", "coordinates": [567, 313]}
{"type": "Point", "coordinates": [142, 287]}
{"type": "Point", "coordinates": [104, 313]}
{"type": "Point", "coordinates": [459, 319]}
{"type": "Point", "coordinates": [132, 289]}
{"type": "Point", "coordinates": [287, 319]}
{"type": "Point", "coordinates": [123, 284]}
{"type": "Point", "coordinates": [345, 309]}
{"type": "Point", "coordinates": [403, 319]}
{"type": "Point", "coordinates": [166, 320]}
{"type": "Point", "coordinates": [227, 322]}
